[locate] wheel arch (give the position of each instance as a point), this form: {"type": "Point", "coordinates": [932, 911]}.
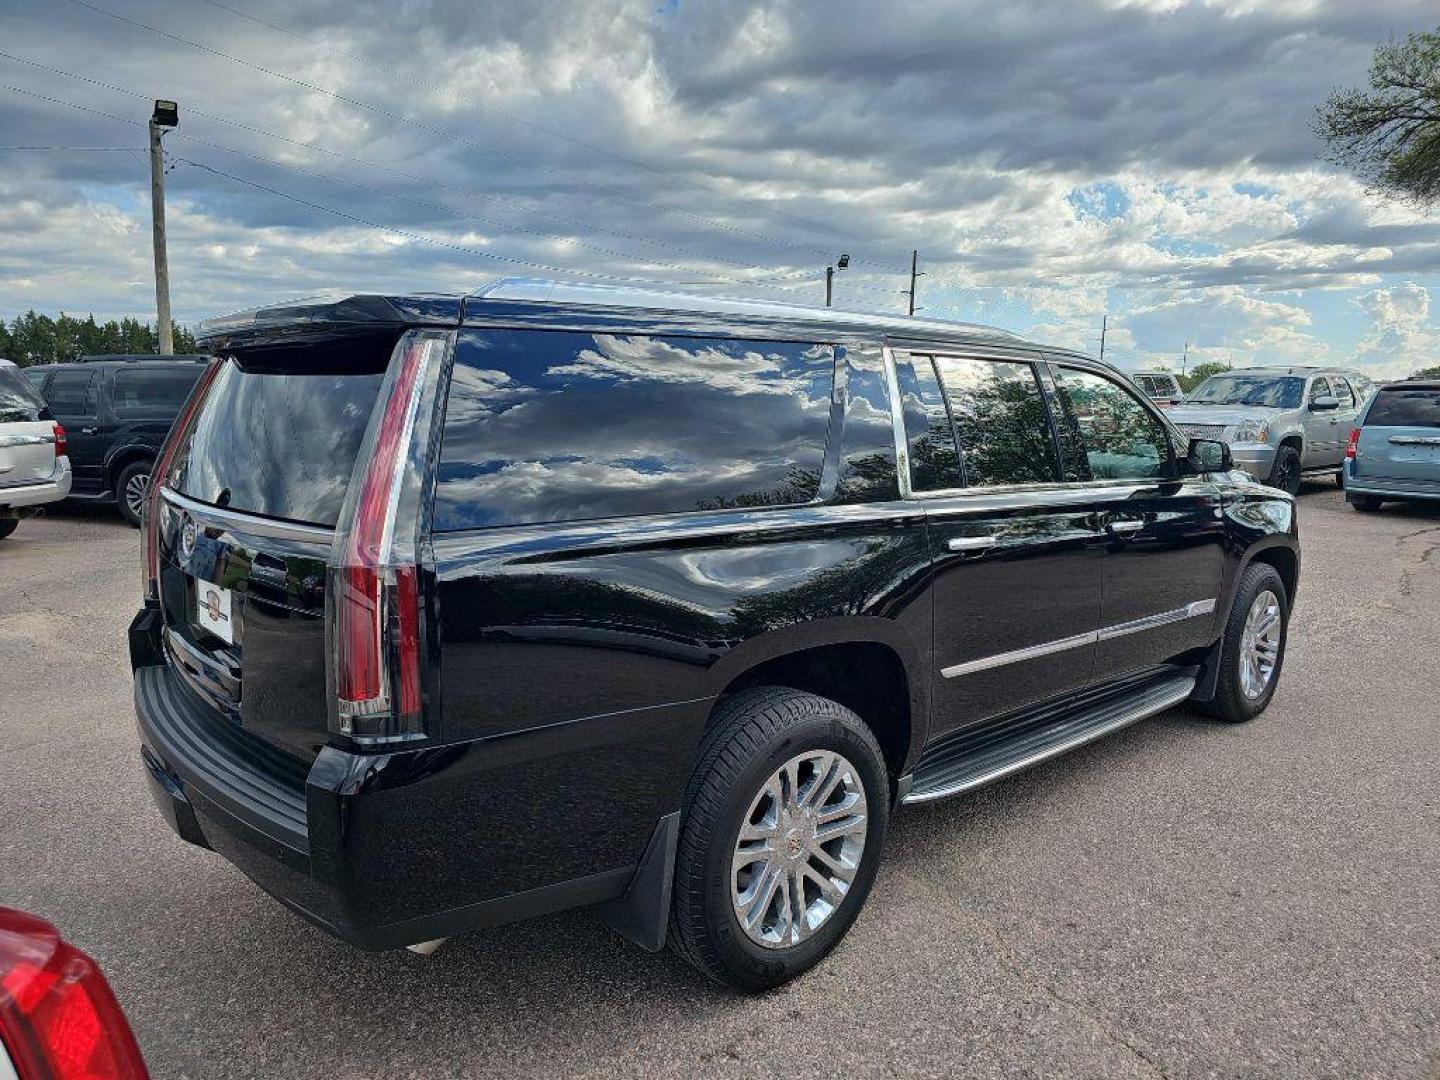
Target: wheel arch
{"type": "Point", "coordinates": [872, 675]}
{"type": "Point", "coordinates": [122, 456]}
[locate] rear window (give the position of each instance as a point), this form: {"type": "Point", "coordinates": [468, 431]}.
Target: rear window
{"type": "Point", "coordinates": [1405, 408]}
{"type": "Point", "coordinates": [19, 403]}
{"type": "Point", "coordinates": [548, 426]}
{"type": "Point", "coordinates": [277, 443]}
{"type": "Point", "coordinates": [152, 392]}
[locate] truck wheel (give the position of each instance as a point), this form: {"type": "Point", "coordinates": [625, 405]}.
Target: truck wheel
{"type": "Point", "coordinates": [132, 487]}
{"type": "Point", "coordinates": [1367, 503]}
{"type": "Point", "coordinates": [780, 837]}
{"type": "Point", "coordinates": [1285, 473]}
{"type": "Point", "coordinates": [1252, 650]}
{"type": "Point", "coordinates": [8, 526]}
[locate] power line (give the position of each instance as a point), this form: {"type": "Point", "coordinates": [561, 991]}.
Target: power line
{"type": "Point", "coordinates": [432, 129]}
{"type": "Point", "coordinates": [72, 149]}
{"type": "Point", "coordinates": [513, 118]}
{"type": "Point", "coordinates": [340, 155]}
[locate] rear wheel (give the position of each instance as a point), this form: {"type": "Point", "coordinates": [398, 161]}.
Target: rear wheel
{"type": "Point", "coordinates": [1365, 503]}
{"type": "Point", "coordinates": [1252, 650]}
{"type": "Point", "coordinates": [1285, 473]}
{"type": "Point", "coordinates": [132, 487]}
{"type": "Point", "coordinates": [8, 526]}
{"type": "Point", "coordinates": [783, 824]}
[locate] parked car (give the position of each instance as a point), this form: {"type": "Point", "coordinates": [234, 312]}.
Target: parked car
{"type": "Point", "coordinates": [34, 466]}
{"type": "Point", "coordinates": [463, 610]}
{"type": "Point", "coordinates": [116, 411]}
{"type": "Point", "coordinates": [1162, 387]}
{"type": "Point", "coordinates": [1394, 452]}
{"type": "Point", "coordinates": [58, 1016]}
{"type": "Point", "coordinates": [1281, 423]}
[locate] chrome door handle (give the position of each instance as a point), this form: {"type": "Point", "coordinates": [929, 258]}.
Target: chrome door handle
{"type": "Point", "coordinates": [1126, 526]}
{"type": "Point", "coordinates": [88, 430]}
{"type": "Point", "coordinates": [971, 543]}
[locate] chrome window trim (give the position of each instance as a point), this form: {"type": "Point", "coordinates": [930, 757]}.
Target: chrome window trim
{"type": "Point", "coordinates": [247, 523]}
{"type": "Point", "coordinates": [1091, 637]}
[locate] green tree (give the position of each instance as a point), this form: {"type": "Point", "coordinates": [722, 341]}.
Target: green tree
{"type": "Point", "coordinates": [1427, 373]}
{"type": "Point", "coordinates": [38, 339]}
{"type": "Point", "coordinates": [1199, 373]}
{"type": "Point", "coordinates": [1389, 133]}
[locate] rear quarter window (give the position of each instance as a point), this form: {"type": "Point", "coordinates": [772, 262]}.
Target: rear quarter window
{"type": "Point", "coordinates": [545, 426]}
{"type": "Point", "coordinates": [1405, 408]}
{"type": "Point", "coordinates": [19, 402]}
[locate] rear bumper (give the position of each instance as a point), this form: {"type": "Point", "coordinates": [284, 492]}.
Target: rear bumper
{"type": "Point", "coordinates": [386, 850]}
{"type": "Point", "coordinates": [1389, 487]}
{"type": "Point", "coordinates": [54, 489]}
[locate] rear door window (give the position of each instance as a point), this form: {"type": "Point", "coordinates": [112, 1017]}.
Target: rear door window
{"type": "Point", "coordinates": [280, 444]}
{"type": "Point", "coordinates": [1341, 389]}
{"type": "Point", "coordinates": [1000, 421]}
{"type": "Point", "coordinates": [154, 393]}
{"type": "Point", "coordinates": [73, 393]}
{"type": "Point", "coordinates": [1119, 437]}
{"type": "Point", "coordinates": [1403, 407]}
{"type": "Point", "coordinates": [545, 426]}
{"type": "Point", "coordinates": [934, 463]}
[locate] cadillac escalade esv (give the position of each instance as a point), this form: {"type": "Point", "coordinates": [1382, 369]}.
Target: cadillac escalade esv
{"type": "Point", "coordinates": [459, 610]}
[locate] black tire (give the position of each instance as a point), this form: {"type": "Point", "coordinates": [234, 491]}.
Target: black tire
{"type": "Point", "coordinates": [753, 735]}
{"type": "Point", "coordinates": [125, 483]}
{"type": "Point", "coordinates": [1231, 702]}
{"type": "Point", "coordinates": [1340, 479]}
{"type": "Point", "coordinates": [1365, 503]}
{"type": "Point", "coordinates": [1285, 472]}
{"type": "Point", "coordinates": [8, 526]}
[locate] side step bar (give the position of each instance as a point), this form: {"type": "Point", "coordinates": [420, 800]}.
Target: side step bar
{"type": "Point", "coordinates": [975, 758]}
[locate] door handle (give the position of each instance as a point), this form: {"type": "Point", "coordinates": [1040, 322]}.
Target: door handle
{"type": "Point", "coordinates": [971, 543]}
{"type": "Point", "coordinates": [1125, 526]}
{"type": "Point", "coordinates": [89, 430]}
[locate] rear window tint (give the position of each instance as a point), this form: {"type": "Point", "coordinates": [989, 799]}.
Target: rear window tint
{"type": "Point", "coordinates": [1405, 408]}
{"type": "Point", "coordinates": [154, 392]}
{"type": "Point", "coordinates": [551, 426]}
{"type": "Point", "coordinates": [279, 444]}
{"type": "Point", "coordinates": [72, 393]}
{"type": "Point", "coordinates": [19, 403]}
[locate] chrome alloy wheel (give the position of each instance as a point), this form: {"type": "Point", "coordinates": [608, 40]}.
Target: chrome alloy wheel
{"type": "Point", "coordinates": [136, 489]}
{"type": "Point", "coordinates": [1260, 644]}
{"type": "Point", "coordinates": [799, 849]}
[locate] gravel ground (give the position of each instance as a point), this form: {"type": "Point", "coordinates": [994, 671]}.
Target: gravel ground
{"type": "Point", "coordinates": [1182, 899]}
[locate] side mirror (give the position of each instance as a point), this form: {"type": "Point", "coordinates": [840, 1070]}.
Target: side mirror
{"type": "Point", "coordinates": [1325, 403]}
{"type": "Point", "coordinates": [1207, 456]}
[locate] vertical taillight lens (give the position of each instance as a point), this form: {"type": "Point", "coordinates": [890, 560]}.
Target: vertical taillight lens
{"type": "Point", "coordinates": [149, 527]}
{"type": "Point", "coordinates": [374, 577]}
{"type": "Point", "coordinates": [1354, 442]}
{"type": "Point", "coordinates": [61, 446]}
{"type": "Point", "coordinates": [58, 1016]}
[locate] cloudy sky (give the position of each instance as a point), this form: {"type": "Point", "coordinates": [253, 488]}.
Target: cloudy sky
{"type": "Point", "coordinates": [1052, 161]}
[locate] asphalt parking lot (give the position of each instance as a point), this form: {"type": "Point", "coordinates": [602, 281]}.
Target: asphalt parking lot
{"type": "Point", "coordinates": [1183, 899]}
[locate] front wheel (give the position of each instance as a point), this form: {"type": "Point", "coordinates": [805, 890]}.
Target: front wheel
{"type": "Point", "coordinates": [1366, 503]}
{"type": "Point", "coordinates": [1285, 473]}
{"type": "Point", "coordinates": [780, 839]}
{"type": "Point", "coordinates": [132, 487]}
{"type": "Point", "coordinates": [1252, 650]}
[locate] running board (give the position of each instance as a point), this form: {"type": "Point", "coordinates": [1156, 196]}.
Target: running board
{"type": "Point", "coordinates": [991, 751]}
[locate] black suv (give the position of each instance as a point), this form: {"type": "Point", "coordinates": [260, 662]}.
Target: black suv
{"type": "Point", "coordinates": [116, 411]}
{"type": "Point", "coordinates": [463, 610]}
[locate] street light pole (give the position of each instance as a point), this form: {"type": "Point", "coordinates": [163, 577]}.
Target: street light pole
{"type": "Point", "coordinates": [165, 117]}
{"type": "Point", "coordinates": [841, 263]}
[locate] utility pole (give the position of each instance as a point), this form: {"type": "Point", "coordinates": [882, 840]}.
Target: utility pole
{"type": "Point", "coordinates": [165, 117]}
{"type": "Point", "coordinates": [1104, 325]}
{"type": "Point", "coordinates": [1184, 358]}
{"type": "Point", "coordinates": [914, 258]}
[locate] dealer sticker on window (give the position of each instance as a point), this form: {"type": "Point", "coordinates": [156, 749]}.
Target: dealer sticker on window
{"type": "Point", "coordinates": [212, 610]}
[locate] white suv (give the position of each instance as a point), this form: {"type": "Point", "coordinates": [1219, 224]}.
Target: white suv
{"type": "Point", "coordinates": [34, 467]}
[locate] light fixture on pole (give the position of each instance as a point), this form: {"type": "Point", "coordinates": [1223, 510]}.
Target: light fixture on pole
{"type": "Point", "coordinates": [840, 264]}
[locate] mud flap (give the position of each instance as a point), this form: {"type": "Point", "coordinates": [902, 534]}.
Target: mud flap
{"type": "Point", "coordinates": [643, 913]}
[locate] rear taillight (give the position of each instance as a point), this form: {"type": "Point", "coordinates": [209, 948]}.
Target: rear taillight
{"type": "Point", "coordinates": [374, 576]}
{"type": "Point", "coordinates": [61, 446]}
{"type": "Point", "coordinates": [149, 527]}
{"type": "Point", "coordinates": [1353, 443]}
{"type": "Point", "coordinates": [58, 1017]}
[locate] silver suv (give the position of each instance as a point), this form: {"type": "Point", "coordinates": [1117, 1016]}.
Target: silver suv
{"type": "Point", "coordinates": [1282, 423]}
